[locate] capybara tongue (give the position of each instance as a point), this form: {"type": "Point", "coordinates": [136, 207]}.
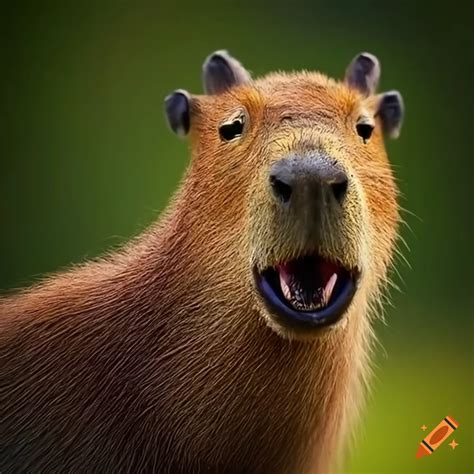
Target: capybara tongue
{"type": "Point", "coordinates": [307, 283]}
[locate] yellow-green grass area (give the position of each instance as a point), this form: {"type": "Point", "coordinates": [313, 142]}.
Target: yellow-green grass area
{"type": "Point", "coordinates": [418, 382]}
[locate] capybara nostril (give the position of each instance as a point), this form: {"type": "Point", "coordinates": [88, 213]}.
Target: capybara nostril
{"type": "Point", "coordinates": [281, 189]}
{"type": "Point", "coordinates": [339, 186]}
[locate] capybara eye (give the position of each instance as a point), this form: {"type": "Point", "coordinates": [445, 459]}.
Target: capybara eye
{"type": "Point", "coordinates": [232, 129]}
{"type": "Point", "coordinates": [364, 130]}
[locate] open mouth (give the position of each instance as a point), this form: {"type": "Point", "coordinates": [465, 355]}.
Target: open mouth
{"type": "Point", "coordinates": [307, 291]}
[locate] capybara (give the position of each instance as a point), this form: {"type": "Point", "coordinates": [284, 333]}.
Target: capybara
{"type": "Point", "coordinates": [235, 334]}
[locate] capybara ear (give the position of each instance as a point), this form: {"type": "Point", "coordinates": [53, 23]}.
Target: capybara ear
{"type": "Point", "coordinates": [178, 111]}
{"type": "Point", "coordinates": [363, 73]}
{"type": "Point", "coordinates": [391, 110]}
{"type": "Point", "coordinates": [221, 72]}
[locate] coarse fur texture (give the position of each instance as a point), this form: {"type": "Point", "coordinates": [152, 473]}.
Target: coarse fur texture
{"type": "Point", "coordinates": [161, 357]}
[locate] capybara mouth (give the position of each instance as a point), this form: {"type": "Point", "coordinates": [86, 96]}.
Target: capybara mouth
{"type": "Point", "coordinates": [310, 291]}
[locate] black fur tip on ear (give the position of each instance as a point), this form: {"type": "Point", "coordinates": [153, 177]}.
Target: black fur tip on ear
{"type": "Point", "coordinates": [363, 73]}
{"type": "Point", "coordinates": [221, 72]}
{"type": "Point", "coordinates": [178, 108]}
{"type": "Point", "coordinates": [391, 111]}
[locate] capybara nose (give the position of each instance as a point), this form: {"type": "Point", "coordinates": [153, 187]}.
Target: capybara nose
{"type": "Point", "coordinates": [308, 181]}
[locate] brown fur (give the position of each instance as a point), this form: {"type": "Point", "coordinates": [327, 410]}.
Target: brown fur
{"type": "Point", "coordinates": [161, 357]}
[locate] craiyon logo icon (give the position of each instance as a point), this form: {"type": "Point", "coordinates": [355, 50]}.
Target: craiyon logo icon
{"type": "Point", "coordinates": [437, 437]}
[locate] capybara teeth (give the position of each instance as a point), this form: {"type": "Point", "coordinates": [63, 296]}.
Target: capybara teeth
{"type": "Point", "coordinates": [284, 287]}
{"type": "Point", "coordinates": [328, 289]}
{"type": "Point", "coordinates": [300, 298]}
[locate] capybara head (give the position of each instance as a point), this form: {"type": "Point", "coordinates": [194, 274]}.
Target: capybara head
{"type": "Point", "coordinates": [295, 164]}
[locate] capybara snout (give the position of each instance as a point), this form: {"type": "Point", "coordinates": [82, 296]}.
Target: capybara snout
{"type": "Point", "coordinates": [311, 188]}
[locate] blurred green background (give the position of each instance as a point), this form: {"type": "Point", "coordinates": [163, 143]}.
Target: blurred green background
{"type": "Point", "coordinates": [86, 162]}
